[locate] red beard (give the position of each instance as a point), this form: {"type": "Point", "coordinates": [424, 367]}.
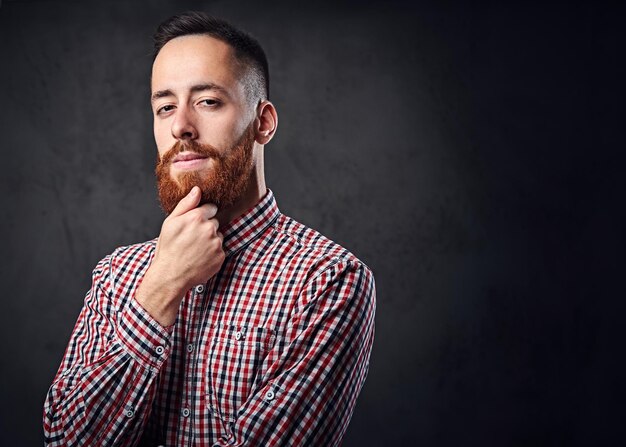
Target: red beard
{"type": "Point", "coordinates": [222, 184]}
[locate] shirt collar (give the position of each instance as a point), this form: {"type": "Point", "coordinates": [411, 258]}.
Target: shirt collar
{"type": "Point", "coordinates": [242, 230]}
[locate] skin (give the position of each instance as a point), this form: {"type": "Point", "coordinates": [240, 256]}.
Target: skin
{"type": "Point", "coordinates": [189, 249]}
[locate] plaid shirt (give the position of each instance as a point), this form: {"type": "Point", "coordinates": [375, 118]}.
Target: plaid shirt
{"type": "Point", "coordinates": [271, 351]}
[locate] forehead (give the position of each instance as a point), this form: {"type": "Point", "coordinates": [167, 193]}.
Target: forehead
{"type": "Point", "coordinates": [191, 60]}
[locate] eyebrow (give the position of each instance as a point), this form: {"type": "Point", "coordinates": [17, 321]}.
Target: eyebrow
{"type": "Point", "coordinates": [194, 89]}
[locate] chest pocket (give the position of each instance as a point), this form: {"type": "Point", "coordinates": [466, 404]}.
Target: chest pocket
{"type": "Point", "coordinates": [235, 356]}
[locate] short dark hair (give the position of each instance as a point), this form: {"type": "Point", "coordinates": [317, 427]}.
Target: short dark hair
{"type": "Point", "coordinates": [247, 49]}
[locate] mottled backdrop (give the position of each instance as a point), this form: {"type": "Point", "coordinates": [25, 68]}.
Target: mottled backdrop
{"type": "Point", "coordinates": [472, 154]}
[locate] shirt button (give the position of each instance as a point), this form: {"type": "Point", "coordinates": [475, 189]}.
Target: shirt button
{"type": "Point", "coordinates": [186, 412]}
{"type": "Point", "coordinates": [190, 347]}
{"type": "Point", "coordinates": [238, 335]}
{"type": "Point", "coordinates": [129, 413]}
{"type": "Point", "coordinates": [200, 288]}
{"type": "Point", "coordinates": [269, 395]}
{"type": "Point", "coordinates": [159, 350]}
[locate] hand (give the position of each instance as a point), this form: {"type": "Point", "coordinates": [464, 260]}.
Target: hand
{"type": "Point", "coordinates": [188, 252]}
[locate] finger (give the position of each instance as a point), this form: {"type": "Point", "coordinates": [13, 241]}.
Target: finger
{"type": "Point", "coordinates": [215, 223]}
{"type": "Point", "coordinates": [209, 210]}
{"type": "Point", "coordinates": [220, 236]}
{"type": "Point", "coordinates": [187, 203]}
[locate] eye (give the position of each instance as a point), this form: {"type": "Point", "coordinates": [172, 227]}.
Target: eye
{"type": "Point", "coordinates": [164, 109]}
{"type": "Point", "coordinates": [210, 102]}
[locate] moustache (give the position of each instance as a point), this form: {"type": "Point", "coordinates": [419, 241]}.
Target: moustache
{"type": "Point", "coordinates": [192, 146]}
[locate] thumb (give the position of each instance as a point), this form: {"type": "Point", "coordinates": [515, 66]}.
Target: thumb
{"type": "Point", "coordinates": [187, 203]}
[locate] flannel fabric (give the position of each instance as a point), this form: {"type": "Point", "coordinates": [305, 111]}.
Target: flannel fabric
{"type": "Point", "coordinates": [271, 351]}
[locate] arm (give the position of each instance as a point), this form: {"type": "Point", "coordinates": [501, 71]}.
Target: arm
{"type": "Point", "coordinates": [103, 390]}
{"type": "Point", "coordinates": [309, 390]}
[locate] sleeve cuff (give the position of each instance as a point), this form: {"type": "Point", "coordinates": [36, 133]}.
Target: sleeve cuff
{"type": "Point", "coordinates": [142, 336]}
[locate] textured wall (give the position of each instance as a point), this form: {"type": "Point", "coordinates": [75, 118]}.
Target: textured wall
{"type": "Point", "coordinates": [471, 156]}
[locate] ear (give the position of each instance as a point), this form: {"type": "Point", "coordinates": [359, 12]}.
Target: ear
{"type": "Point", "coordinates": [265, 123]}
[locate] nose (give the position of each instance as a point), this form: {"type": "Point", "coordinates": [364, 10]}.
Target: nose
{"type": "Point", "coordinates": [183, 125]}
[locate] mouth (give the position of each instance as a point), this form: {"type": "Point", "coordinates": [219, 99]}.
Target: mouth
{"type": "Point", "coordinates": [189, 160]}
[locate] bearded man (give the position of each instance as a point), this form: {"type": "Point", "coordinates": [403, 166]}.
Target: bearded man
{"type": "Point", "coordinates": [237, 326]}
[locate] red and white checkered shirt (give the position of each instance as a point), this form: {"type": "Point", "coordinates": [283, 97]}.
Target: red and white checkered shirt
{"type": "Point", "coordinates": [271, 351]}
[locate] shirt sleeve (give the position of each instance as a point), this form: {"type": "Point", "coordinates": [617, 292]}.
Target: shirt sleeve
{"type": "Point", "coordinates": [309, 390]}
{"type": "Point", "coordinates": [103, 390]}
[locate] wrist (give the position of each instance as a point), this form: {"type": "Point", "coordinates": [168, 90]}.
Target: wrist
{"type": "Point", "coordinates": [159, 296]}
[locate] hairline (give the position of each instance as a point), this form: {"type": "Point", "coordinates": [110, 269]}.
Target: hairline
{"type": "Point", "coordinates": [247, 68]}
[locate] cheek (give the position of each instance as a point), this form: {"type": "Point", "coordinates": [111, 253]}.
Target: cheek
{"type": "Point", "coordinates": [161, 150]}
{"type": "Point", "coordinates": [222, 131]}
{"type": "Point", "coordinates": [163, 139]}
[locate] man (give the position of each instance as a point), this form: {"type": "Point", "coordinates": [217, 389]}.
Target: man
{"type": "Point", "coordinates": [237, 326]}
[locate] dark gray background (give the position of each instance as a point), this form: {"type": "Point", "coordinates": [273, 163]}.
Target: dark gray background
{"type": "Point", "coordinates": [471, 154]}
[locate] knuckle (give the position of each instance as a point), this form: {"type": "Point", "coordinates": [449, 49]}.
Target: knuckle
{"type": "Point", "coordinates": [195, 216]}
{"type": "Point", "coordinates": [210, 228]}
{"type": "Point", "coordinates": [209, 209]}
{"type": "Point", "coordinates": [216, 248]}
